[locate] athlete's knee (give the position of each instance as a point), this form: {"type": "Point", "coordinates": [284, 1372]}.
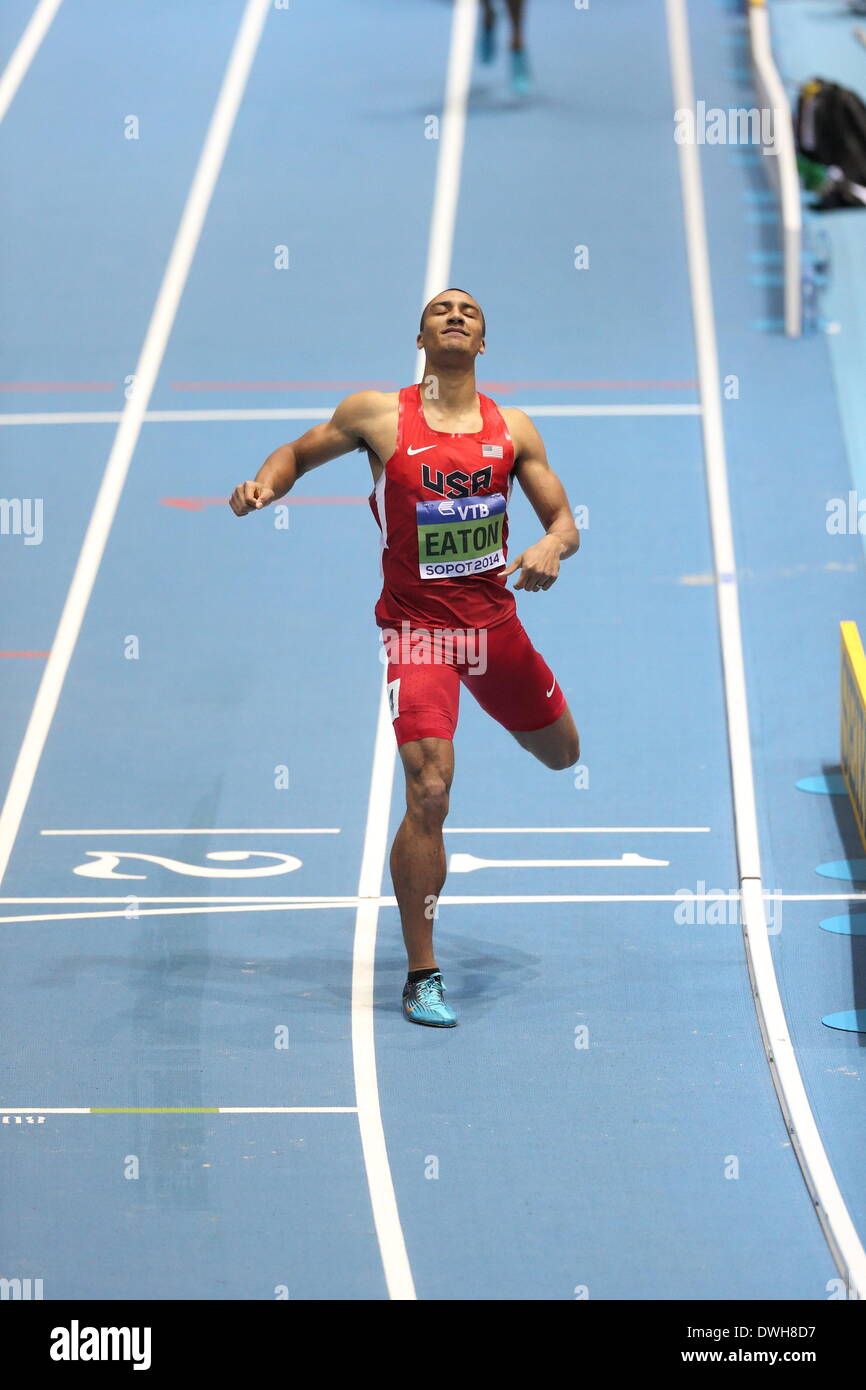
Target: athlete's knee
{"type": "Point", "coordinates": [427, 799]}
{"type": "Point", "coordinates": [557, 747]}
{"type": "Point", "coordinates": [565, 753]}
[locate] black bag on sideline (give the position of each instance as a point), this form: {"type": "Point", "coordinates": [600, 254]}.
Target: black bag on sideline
{"type": "Point", "coordinates": [831, 130]}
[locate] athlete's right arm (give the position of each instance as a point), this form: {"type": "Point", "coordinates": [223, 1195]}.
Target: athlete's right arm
{"type": "Point", "coordinates": [282, 469]}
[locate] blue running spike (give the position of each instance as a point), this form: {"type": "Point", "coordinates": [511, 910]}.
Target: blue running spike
{"type": "Point", "coordinates": [487, 43]}
{"type": "Point", "coordinates": [424, 1002]}
{"type": "Point", "coordinates": [521, 82]}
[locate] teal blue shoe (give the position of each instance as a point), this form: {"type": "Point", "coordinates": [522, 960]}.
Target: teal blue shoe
{"type": "Point", "coordinates": [487, 43]}
{"type": "Point", "coordinates": [521, 82]}
{"type": "Point", "coordinates": [424, 1002]}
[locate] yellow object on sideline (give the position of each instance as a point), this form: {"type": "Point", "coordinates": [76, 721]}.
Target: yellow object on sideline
{"type": "Point", "coordinates": [852, 722]}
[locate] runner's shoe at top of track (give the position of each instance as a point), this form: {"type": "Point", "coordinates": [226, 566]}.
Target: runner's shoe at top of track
{"type": "Point", "coordinates": [487, 42]}
{"type": "Point", "coordinates": [424, 1002]}
{"type": "Point", "coordinates": [521, 80]}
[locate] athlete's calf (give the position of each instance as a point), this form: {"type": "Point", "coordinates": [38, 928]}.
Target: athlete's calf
{"type": "Point", "coordinates": [418, 853]}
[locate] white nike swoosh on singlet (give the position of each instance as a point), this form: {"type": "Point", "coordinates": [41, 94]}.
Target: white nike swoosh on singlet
{"type": "Point", "coordinates": [422, 450]}
{"type": "Point", "coordinates": [549, 692]}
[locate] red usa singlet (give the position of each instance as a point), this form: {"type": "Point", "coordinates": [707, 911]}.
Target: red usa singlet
{"type": "Point", "coordinates": [440, 503]}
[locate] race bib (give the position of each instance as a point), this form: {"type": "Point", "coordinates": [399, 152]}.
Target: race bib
{"type": "Point", "coordinates": [460, 536]}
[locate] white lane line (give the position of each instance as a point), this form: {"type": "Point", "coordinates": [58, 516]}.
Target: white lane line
{"type": "Point", "coordinates": [279, 830]}
{"type": "Point", "coordinates": [46, 1110]}
{"type": "Point", "coordinates": [388, 899]}
{"type": "Point", "coordinates": [200, 909]}
{"type": "Point", "coordinates": [824, 1190]}
{"type": "Point", "coordinates": [287, 1109]}
{"type": "Point", "coordinates": [468, 863]}
{"type": "Point", "coordinates": [126, 438]}
{"type": "Point", "coordinates": [449, 164]}
{"type": "Point", "coordinates": [178, 1110]}
{"type": "Point", "coordinates": [540, 898]}
{"type": "Point", "coordinates": [130, 898]}
{"type": "Point", "coordinates": [566, 410]}
{"type": "Point", "coordinates": [25, 51]}
{"type": "Point", "coordinates": [392, 1244]}
{"type": "Point", "coordinates": [180, 417]}
{"type": "Point", "coordinates": [816, 897]}
{"type": "Point", "coordinates": [363, 906]}
{"type": "Point", "coordinates": [366, 908]}
{"type": "Point", "coordinates": [577, 830]}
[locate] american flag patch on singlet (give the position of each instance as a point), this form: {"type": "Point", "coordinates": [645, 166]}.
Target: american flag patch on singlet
{"type": "Point", "coordinates": [491, 451]}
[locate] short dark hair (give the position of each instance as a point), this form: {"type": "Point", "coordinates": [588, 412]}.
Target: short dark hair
{"type": "Point", "coordinates": [459, 291]}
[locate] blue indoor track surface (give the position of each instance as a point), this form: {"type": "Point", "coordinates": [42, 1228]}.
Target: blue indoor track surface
{"type": "Point", "coordinates": [201, 953]}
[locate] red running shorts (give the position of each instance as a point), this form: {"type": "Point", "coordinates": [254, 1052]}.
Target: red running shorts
{"type": "Point", "coordinates": [498, 665]}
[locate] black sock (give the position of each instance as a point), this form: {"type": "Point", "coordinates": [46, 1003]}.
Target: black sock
{"type": "Point", "coordinates": [416, 975]}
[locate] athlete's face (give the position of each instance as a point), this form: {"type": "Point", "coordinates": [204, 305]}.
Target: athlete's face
{"type": "Point", "coordinates": [452, 327]}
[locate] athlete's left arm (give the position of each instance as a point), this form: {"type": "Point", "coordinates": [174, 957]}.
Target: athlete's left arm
{"type": "Point", "coordinates": [539, 565]}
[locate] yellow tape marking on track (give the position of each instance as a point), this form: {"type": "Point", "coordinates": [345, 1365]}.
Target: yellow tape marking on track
{"type": "Point", "coordinates": [852, 722]}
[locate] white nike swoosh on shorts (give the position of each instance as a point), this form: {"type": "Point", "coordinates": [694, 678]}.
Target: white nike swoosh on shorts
{"type": "Point", "coordinates": [549, 692]}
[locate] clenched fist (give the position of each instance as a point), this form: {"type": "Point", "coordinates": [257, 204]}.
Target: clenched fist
{"type": "Point", "coordinates": [539, 565]}
{"type": "Point", "coordinates": [250, 497]}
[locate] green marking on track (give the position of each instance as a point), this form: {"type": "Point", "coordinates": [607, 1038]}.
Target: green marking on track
{"type": "Point", "coordinates": [154, 1110]}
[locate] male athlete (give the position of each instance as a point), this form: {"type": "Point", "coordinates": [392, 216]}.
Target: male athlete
{"type": "Point", "coordinates": [521, 82]}
{"type": "Point", "coordinates": [443, 458]}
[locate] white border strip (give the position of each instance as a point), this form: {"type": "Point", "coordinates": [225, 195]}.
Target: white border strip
{"type": "Point", "coordinates": [576, 830]}
{"type": "Point", "coordinates": [388, 900]}
{"type": "Point", "coordinates": [456, 830]}
{"type": "Point", "coordinates": [784, 154]}
{"type": "Point", "coordinates": [395, 1260]}
{"type": "Point", "coordinates": [179, 1110]}
{"type": "Point", "coordinates": [453, 129]}
{"type": "Point", "coordinates": [126, 438]}
{"type": "Point", "coordinates": [25, 51]}
{"type": "Point", "coordinates": [364, 906]}
{"type": "Point", "coordinates": [552, 411]}
{"type": "Point", "coordinates": [207, 906]}
{"type": "Point", "coordinates": [835, 1219]}
{"type": "Point", "coordinates": [207, 830]}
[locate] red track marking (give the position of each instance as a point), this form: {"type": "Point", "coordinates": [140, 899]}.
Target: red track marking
{"type": "Point", "coordinates": [501, 386]}
{"type": "Point", "coordinates": [13, 386]}
{"type": "Point", "coordinates": [197, 504]}
{"type": "Point", "coordinates": [285, 386]}
{"type": "Point", "coordinates": [25, 653]}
